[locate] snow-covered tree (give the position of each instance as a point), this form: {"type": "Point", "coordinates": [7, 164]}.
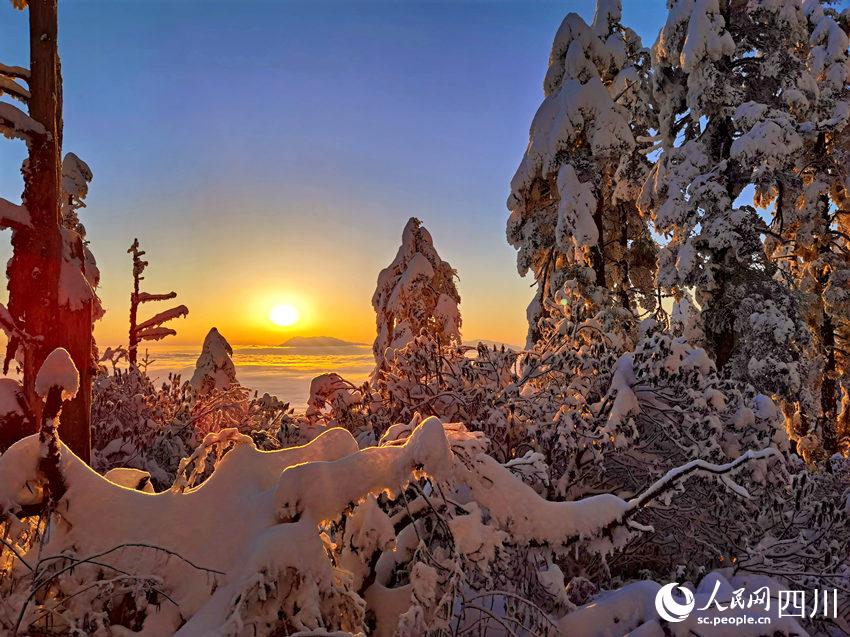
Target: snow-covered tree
{"type": "Point", "coordinates": [151, 329]}
{"type": "Point", "coordinates": [724, 80]}
{"type": "Point", "coordinates": [572, 202]}
{"type": "Point", "coordinates": [214, 368]}
{"type": "Point", "coordinates": [806, 180]}
{"type": "Point", "coordinates": [415, 292]}
{"type": "Point", "coordinates": [51, 273]}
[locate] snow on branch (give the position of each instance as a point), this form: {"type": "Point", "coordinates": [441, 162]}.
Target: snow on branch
{"type": "Point", "coordinates": [162, 317]}
{"type": "Point", "coordinates": [669, 479]}
{"type": "Point", "coordinates": [13, 215]}
{"type": "Point", "coordinates": [531, 518]}
{"type": "Point", "coordinates": [15, 124]}
{"type": "Point", "coordinates": [13, 89]}
{"type": "Point", "coordinates": [225, 525]}
{"type": "Point", "coordinates": [58, 370]}
{"type": "Point", "coordinates": [155, 333]}
{"type": "Point", "coordinates": [146, 297]}
{"type": "Point", "coordinates": [322, 490]}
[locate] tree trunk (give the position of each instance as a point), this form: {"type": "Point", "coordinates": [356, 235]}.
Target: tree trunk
{"type": "Point", "coordinates": [828, 388]}
{"type": "Point", "coordinates": [597, 256]}
{"type": "Point", "coordinates": [34, 268]}
{"type": "Point", "coordinates": [76, 337]}
{"type": "Point", "coordinates": [133, 340]}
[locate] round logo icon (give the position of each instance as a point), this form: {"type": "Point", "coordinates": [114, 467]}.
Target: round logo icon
{"type": "Point", "coordinates": [668, 608]}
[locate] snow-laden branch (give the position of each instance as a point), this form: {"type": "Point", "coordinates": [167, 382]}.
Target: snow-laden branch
{"type": "Point", "coordinates": [322, 490]}
{"type": "Point", "coordinates": [13, 89]}
{"type": "Point", "coordinates": [12, 215]}
{"type": "Point", "coordinates": [671, 478]}
{"type": "Point", "coordinates": [226, 524]}
{"type": "Point", "coordinates": [162, 317]}
{"type": "Point", "coordinates": [155, 333]}
{"type": "Point", "coordinates": [530, 518]}
{"type": "Point", "coordinates": [15, 124]}
{"type": "Point", "coordinates": [146, 297]}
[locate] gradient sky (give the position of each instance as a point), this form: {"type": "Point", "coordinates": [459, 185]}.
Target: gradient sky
{"type": "Point", "coordinates": [268, 152]}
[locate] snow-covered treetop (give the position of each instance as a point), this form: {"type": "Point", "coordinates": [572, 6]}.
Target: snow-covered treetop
{"type": "Point", "coordinates": [214, 368]}
{"type": "Point", "coordinates": [591, 86]}
{"type": "Point", "coordinates": [58, 370]}
{"type": "Point", "coordinates": [416, 291]}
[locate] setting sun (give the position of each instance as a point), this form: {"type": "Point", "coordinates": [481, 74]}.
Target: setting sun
{"type": "Point", "coordinates": [284, 315]}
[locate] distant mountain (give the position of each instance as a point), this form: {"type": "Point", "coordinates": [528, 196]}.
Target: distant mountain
{"type": "Point", "coordinates": [317, 341]}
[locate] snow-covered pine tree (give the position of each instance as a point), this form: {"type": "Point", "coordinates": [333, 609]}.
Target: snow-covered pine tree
{"type": "Point", "coordinates": [720, 72]}
{"type": "Point", "coordinates": [214, 368]}
{"type": "Point", "coordinates": [572, 202]}
{"type": "Point", "coordinates": [808, 184]}
{"type": "Point", "coordinates": [152, 329]}
{"type": "Point", "coordinates": [415, 292]}
{"type": "Point", "coordinates": [41, 245]}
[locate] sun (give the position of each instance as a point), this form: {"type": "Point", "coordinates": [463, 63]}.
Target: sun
{"type": "Point", "coordinates": [284, 315]}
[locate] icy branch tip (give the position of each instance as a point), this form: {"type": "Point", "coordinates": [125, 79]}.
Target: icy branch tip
{"type": "Point", "coordinates": [58, 370]}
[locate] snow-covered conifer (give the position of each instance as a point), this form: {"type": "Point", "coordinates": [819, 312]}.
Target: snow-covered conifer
{"type": "Point", "coordinates": [415, 292]}
{"type": "Point", "coordinates": [214, 368]}
{"type": "Point", "coordinates": [724, 77]}
{"type": "Point", "coordinates": [806, 185]}
{"type": "Point", "coordinates": [52, 273]}
{"type": "Point", "coordinates": [572, 202]}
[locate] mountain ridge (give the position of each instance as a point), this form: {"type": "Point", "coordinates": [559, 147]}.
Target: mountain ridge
{"type": "Point", "coordinates": [317, 341]}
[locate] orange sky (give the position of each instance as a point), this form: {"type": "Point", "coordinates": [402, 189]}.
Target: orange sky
{"type": "Point", "coordinates": [235, 289]}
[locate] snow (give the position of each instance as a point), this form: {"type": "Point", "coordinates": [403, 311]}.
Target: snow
{"type": "Point", "coordinates": [417, 286]}
{"type": "Point", "coordinates": [162, 317]}
{"type": "Point", "coordinates": [320, 490]}
{"type": "Point", "coordinates": [76, 275]}
{"type": "Point", "coordinates": [13, 214]}
{"type": "Point", "coordinates": [226, 524]}
{"type": "Point", "coordinates": [11, 397]}
{"type": "Point", "coordinates": [58, 370]}
{"type": "Point", "coordinates": [630, 610]}
{"type": "Point", "coordinates": [214, 368]}
{"type": "Point", "coordinates": [529, 479]}
{"type": "Point", "coordinates": [155, 333]}
{"type": "Point", "coordinates": [706, 36]}
{"type": "Point", "coordinates": [76, 176]}
{"type": "Point", "coordinates": [145, 297]}
{"type": "Point", "coordinates": [575, 210]}
{"type": "Point", "coordinates": [15, 124]}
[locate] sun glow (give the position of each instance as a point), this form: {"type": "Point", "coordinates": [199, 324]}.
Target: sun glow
{"type": "Point", "coordinates": [284, 315]}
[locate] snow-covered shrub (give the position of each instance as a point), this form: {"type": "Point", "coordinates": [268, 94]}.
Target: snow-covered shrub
{"type": "Point", "coordinates": [136, 423]}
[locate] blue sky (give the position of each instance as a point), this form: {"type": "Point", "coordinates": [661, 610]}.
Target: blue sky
{"type": "Point", "coordinates": [268, 151]}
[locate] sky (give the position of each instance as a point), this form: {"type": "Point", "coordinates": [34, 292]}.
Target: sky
{"type": "Point", "coordinates": [269, 152]}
